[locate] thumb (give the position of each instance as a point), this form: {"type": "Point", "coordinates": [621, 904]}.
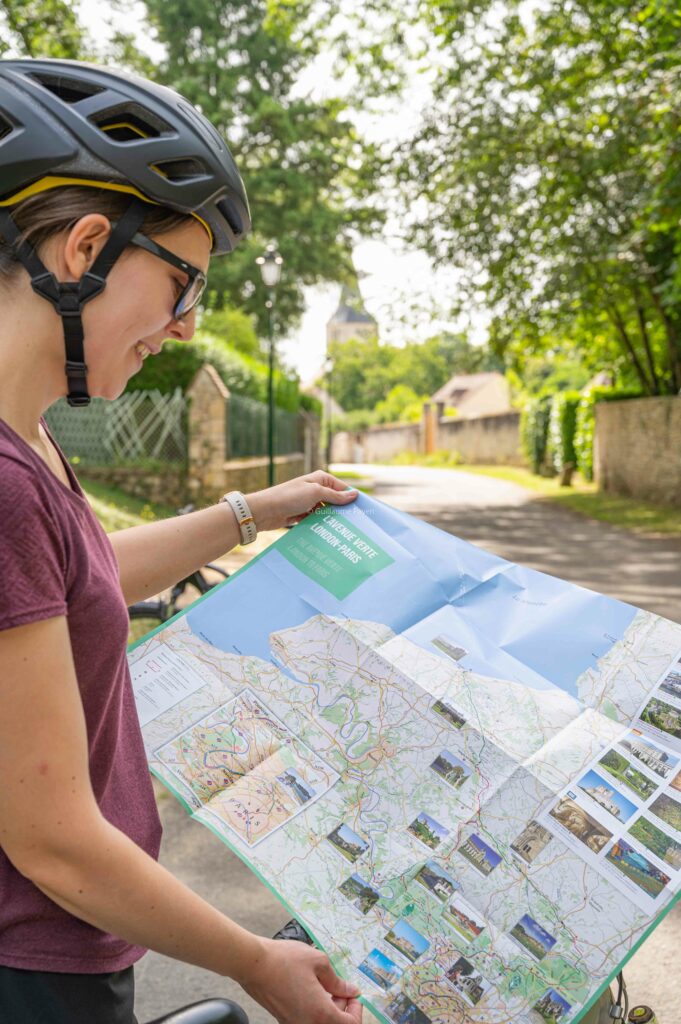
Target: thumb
{"type": "Point", "coordinates": [338, 497]}
{"type": "Point", "coordinates": [334, 985]}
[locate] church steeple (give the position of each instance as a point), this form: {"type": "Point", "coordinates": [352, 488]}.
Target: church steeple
{"type": "Point", "coordinates": [351, 319]}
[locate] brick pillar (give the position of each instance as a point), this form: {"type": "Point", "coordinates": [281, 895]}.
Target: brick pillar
{"type": "Point", "coordinates": [208, 434]}
{"type": "Point", "coordinates": [429, 426]}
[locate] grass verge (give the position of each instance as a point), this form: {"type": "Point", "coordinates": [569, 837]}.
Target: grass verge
{"type": "Point", "coordinates": [582, 497]}
{"type": "Point", "coordinates": [586, 499]}
{"type": "Point", "coordinates": [117, 510]}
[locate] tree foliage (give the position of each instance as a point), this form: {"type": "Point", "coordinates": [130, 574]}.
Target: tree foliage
{"type": "Point", "coordinates": [41, 28]}
{"type": "Point", "coordinates": [179, 362]}
{"type": "Point", "coordinates": [363, 371]}
{"type": "Point", "coordinates": [310, 177]}
{"type": "Point", "coordinates": [551, 164]}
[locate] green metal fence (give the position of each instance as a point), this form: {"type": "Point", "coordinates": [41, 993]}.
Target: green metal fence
{"type": "Point", "coordinates": [247, 429]}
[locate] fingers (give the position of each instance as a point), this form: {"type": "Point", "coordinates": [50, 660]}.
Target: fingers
{"type": "Point", "coordinates": [336, 497]}
{"type": "Point", "coordinates": [333, 984]}
{"type": "Point", "coordinates": [328, 480]}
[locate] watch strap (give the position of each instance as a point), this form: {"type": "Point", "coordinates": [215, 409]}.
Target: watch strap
{"type": "Point", "coordinates": [244, 517]}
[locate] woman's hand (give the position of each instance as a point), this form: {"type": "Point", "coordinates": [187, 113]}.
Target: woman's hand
{"type": "Point", "coordinates": [297, 984]}
{"type": "Point", "coordinates": [288, 503]}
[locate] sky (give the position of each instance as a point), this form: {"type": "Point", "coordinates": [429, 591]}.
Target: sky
{"type": "Point", "coordinates": [396, 285]}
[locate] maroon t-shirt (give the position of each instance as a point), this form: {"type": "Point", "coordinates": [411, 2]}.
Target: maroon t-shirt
{"type": "Point", "coordinates": [55, 559]}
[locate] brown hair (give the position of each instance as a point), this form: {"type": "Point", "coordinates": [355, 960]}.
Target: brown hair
{"type": "Point", "coordinates": [46, 214]}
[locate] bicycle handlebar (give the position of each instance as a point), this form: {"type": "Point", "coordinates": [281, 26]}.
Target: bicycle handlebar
{"type": "Point", "coordinates": [208, 1011]}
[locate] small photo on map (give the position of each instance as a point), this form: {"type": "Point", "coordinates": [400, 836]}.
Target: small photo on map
{"type": "Point", "coordinates": [671, 684]}
{"type": "Point", "coordinates": [436, 880]}
{"type": "Point", "coordinates": [407, 940]}
{"type": "Point", "coordinates": [362, 895]}
{"type": "Point", "coordinates": [552, 1008]}
{"type": "Point", "coordinates": [619, 768]}
{"type": "Point", "coordinates": [294, 782]}
{"type": "Point", "coordinates": [658, 842]}
{"type": "Point", "coordinates": [668, 809]}
{"type": "Point", "coordinates": [606, 796]}
{"type": "Point", "coordinates": [451, 717]}
{"type": "Point", "coordinates": [449, 647]}
{"type": "Point", "coordinates": [576, 820]}
{"type": "Point", "coordinates": [533, 839]}
{"type": "Point", "coordinates": [481, 856]}
{"type": "Point", "coordinates": [450, 768]}
{"type": "Point", "coordinates": [402, 1011]}
{"type": "Point", "coordinates": [676, 783]}
{"type": "Point", "coordinates": [637, 868]}
{"type": "Point", "coordinates": [347, 842]}
{"type": "Point", "coordinates": [380, 969]}
{"type": "Point", "coordinates": [532, 937]}
{"type": "Point", "coordinates": [648, 753]}
{"type": "Point", "coordinates": [662, 716]}
{"type": "Point", "coordinates": [428, 830]}
{"type": "Point", "coordinates": [464, 919]}
{"type": "Point", "coordinates": [467, 980]}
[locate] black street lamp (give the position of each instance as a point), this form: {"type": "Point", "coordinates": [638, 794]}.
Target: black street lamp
{"type": "Point", "coordinates": [270, 269]}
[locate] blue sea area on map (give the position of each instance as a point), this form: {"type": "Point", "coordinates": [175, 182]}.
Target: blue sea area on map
{"type": "Point", "coordinates": [512, 622]}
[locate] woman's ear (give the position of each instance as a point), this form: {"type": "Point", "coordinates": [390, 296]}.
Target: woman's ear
{"type": "Point", "coordinates": [81, 245]}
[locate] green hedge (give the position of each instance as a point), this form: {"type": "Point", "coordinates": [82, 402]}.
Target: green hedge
{"type": "Point", "coordinates": [561, 429]}
{"type": "Point", "coordinates": [179, 362]}
{"type": "Point", "coordinates": [586, 423]}
{"type": "Point", "coordinates": [534, 428]}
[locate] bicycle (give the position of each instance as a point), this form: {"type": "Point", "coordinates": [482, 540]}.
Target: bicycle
{"type": "Point", "coordinates": [208, 1011]}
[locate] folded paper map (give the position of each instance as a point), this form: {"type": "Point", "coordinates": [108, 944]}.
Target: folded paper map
{"type": "Point", "coordinates": [462, 776]}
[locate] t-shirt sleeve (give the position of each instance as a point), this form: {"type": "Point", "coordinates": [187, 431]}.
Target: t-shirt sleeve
{"type": "Point", "coordinates": [32, 558]}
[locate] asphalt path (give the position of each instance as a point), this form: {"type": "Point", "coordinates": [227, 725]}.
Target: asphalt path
{"type": "Point", "coordinates": [509, 521]}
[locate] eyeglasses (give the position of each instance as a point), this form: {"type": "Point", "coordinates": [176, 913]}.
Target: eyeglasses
{"type": "Point", "coordinates": [194, 288]}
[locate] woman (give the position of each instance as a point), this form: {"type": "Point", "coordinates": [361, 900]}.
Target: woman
{"type": "Point", "coordinates": [114, 194]}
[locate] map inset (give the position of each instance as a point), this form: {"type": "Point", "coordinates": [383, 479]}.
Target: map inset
{"type": "Point", "coordinates": [246, 768]}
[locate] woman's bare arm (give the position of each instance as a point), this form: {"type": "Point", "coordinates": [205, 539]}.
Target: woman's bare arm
{"type": "Point", "coordinates": [51, 829]}
{"type": "Point", "coordinates": [155, 556]}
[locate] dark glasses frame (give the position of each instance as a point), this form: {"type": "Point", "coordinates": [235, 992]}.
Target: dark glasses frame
{"type": "Point", "coordinates": [190, 295]}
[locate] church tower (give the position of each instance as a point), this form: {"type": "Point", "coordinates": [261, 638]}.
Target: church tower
{"type": "Point", "coordinates": [351, 319]}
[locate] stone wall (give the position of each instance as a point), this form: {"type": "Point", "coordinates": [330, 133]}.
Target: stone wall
{"type": "Point", "coordinates": [376, 444]}
{"type": "Point", "coordinates": [493, 440]}
{"type": "Point", "coordinates": [165, 487]}
{"type": "Point", "coordinates": [252, 474]}
{"type": "Point", "coordinates": [638, 448]}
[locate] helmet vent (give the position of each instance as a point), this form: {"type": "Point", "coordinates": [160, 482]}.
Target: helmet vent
{"type": "Point", "coordinates": [180, 170]}
{"type": "Point", "coordinates": [70, 90]}
{"type": "Point", "coordinates": [6, 126]}
{"type": "Point", "coordinates": [129, 122]}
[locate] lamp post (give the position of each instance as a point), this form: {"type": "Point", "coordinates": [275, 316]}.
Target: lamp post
{"type": "Point", "coordinates": [270, 269]}
{"type": "Point", "coordinates": [329, 410]}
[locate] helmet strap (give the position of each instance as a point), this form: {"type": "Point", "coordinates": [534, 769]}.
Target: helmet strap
{"type": "Point", "coordinates": [69, 297]}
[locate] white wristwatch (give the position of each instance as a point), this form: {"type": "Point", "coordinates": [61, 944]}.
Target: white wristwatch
{"type": "Point", "coordinates": [244, 518]}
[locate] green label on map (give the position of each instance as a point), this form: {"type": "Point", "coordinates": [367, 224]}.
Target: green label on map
{"type": "Point", "coordinates": [330, 549]}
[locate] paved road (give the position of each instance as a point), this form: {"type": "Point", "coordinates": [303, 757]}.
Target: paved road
{"type": "Point", "coordinates": [502, 518]}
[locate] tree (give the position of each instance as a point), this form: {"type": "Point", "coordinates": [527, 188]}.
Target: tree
{"type": "Point", "coordinates": [235, 328]}
{"type": "Point", "coordinates": [40, 28]}
{"type": "Point", "coordinates": [310, 177]}
{"type": "Point", "coordinates": [551, 166]}
{"type": "Point", "coordinates": [363, 371]}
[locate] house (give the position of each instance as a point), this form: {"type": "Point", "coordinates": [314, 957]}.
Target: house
{"type": "Point", "coordinates": [475, 394]}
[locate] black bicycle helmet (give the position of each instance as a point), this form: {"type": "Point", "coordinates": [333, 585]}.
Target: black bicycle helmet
{"type": "Point", "coordinates": [64, 123]}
